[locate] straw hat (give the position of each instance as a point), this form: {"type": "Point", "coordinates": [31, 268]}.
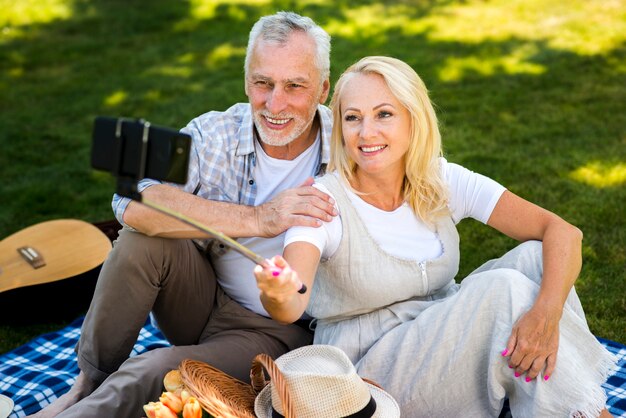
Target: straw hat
{"type": "Point", "coordinates": [322, 382]}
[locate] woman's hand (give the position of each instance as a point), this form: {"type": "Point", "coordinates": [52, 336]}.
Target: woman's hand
{"type": "Point", "coordinates": [277, 282]}
{"type": "Point", "coordinates": [534, 342]}
{"type": "Point", "coordinates": [284, 293]}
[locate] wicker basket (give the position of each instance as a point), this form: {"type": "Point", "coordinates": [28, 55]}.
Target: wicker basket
{"type": "Point", "coordinates": [221, 395]}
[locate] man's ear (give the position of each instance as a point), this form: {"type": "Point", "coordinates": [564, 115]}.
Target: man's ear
{"type": "Point", "coordinates": [325, 91]}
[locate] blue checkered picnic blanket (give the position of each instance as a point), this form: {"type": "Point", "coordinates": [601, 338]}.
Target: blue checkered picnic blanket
{"type": "Point", "coordinates": [615, 385]}
{"type": "Point", "coordinates": [40, 371]}
{"type": "Point", "coordinates": [36, 373]}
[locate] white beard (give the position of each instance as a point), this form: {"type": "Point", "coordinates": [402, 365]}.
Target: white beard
{"type": "Point", "coordinates": [277, 138]}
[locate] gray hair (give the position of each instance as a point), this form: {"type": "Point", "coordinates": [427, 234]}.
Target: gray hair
{"type": "Point", "coordinates": [278, 27]}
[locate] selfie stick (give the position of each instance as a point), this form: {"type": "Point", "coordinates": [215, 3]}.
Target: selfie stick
{"type": "Point", "coordinates": [127, 187]}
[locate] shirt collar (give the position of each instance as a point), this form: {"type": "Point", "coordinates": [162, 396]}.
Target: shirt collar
{"type": "Point", "coordinates": [245, 144]}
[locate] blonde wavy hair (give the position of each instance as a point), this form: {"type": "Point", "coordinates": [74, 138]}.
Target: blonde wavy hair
{"type": "Point", "coordinates": [423, 187]}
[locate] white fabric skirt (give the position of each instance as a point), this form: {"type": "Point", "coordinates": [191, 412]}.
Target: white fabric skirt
{"type": "Point", "coordinates": [442, 358]}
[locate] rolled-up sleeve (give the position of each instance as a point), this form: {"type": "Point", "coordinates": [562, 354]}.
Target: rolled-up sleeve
{"type": "Point", "coordinates": [119, 203]}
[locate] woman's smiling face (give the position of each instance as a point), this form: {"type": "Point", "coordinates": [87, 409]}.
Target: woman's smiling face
{"type": "Point", "coordinates": [375, 125]}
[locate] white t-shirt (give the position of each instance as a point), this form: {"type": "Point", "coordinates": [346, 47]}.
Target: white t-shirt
{"type": "Point", "coordinates": [400, 232]}
{"type": "Point", "coordinates": [272, 176]}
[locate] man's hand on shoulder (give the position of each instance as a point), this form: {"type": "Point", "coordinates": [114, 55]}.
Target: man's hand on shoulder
{"type": "Point", "coordinates": [301, 206]}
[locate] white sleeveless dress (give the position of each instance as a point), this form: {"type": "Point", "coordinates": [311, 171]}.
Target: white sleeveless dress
{"type": "Point", "coordinates": [436, 345]}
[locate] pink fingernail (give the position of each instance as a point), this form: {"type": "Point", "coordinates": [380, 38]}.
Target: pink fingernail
{"type": "Point", "coordinates": [505, 352]}
{"type": "Point", "coordinates": [275, 273]}
{"type": "Point", "coordinates": [510, 367]}
{"type": "Point", "coordinates": [517, 374]}
{"type": "Point", "coordinates": [546, 377]}
{"type": "Point", "coordinates": [528, 379]}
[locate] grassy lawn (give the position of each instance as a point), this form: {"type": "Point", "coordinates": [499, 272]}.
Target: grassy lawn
{"type": "Point", "coordinates": [529, 92]}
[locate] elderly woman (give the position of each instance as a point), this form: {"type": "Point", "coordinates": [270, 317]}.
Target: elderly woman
{"type": "Point", "coordinates": [382, 273]}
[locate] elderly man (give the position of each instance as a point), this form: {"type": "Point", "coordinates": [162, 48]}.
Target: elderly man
{"type": "Point", "coordinates": [250, 177]}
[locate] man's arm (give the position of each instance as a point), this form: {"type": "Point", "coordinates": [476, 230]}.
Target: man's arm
{"type": "Point", "coordinates": [224, 216]}
{"type": "Point", "coordinates": [304, 205]}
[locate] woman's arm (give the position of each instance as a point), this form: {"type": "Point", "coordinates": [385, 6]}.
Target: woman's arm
{"type": "Point", "coordinates": [534, 339]}
{"type": "Point", "coordinates": [562, 243]}
{"type": "Point", "coordinates": [279, 294]}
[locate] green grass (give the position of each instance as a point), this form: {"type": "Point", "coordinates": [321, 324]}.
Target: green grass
{"type": "Point", "coordinates": [529, 92]}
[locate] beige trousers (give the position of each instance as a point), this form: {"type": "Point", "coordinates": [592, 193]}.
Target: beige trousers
{"type": "Point", "coordinates": [175, 281]}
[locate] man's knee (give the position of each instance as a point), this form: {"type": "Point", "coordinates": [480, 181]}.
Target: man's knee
{"type": "Point", "coordinates": [134, 250]}
{"type": "Point", "coordinates": [150, 367]}
{"type": "Point", "coordinates": [133, 242]}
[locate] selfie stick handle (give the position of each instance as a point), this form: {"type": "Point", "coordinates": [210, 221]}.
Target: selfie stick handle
{"type": "Point", "coordinates": [127, 185]}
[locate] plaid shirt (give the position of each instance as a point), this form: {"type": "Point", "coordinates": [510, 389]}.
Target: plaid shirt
{"type": "Point", "coordinates": [222, 158]}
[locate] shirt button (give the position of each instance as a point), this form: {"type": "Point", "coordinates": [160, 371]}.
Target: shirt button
{"type": "Point", "coordinates": [250, 182]}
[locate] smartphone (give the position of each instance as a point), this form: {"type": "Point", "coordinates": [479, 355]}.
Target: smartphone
{"type": "Point", "coordinates": [135, 149]}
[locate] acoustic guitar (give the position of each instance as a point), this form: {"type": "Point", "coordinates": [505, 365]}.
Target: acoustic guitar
{"type": "Point", "coordinates": [51, 251]}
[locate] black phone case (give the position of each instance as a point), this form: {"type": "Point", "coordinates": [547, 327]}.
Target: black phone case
{"type": "Point", "coordinates": [130, 148]}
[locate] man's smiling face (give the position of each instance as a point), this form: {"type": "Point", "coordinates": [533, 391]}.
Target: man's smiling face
{"type": "Point", "coordinates": [284, 87]}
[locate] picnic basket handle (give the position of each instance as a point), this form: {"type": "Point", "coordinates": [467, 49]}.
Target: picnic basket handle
{"type": "Point", "coordinates": [371, 382]}
{"type": "Point", "coordinates": [257, 378]}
